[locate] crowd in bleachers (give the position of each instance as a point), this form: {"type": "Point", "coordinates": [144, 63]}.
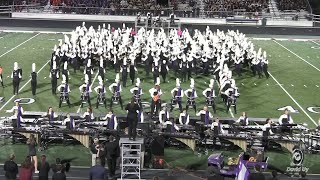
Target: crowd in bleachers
{"type": "Point", "coordinates": [230, 5]}
{"type": "Point", "coordinates": [182, 8]}
{"type": "Point", "coordinates": [291, 5]}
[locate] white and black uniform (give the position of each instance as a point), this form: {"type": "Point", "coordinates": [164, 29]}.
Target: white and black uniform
{"type": "Point", "coordinates": [64, 94]}
{"type": "Point", "coordinates": [33, 82]}
{"type": "Point", "coordinates": [54, 80]}
{"type": "Point", "coordinates": [16, 77]}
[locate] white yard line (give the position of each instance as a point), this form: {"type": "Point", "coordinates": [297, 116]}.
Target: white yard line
{"type": "Point", "coordinates": [293, 99]}
{"type": "Point", "coordinates": [297, 55]}
{"type": "Point", "coordinates": [90, 88]}
{"type": "Point", "coordinates": [315, 42]}
{"type": "Point", "coordinates": [19, 45]}
{"type": "Point", "coordinates": [24, 85]}
{"type": "Point", "coordinates": [42, 32]}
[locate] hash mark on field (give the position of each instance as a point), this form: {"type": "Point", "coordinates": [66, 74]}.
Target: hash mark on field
{"type": "Point", "coordinates": [5, 47]}
{"type": "Point", "coordinates": [297, 55]}
{"type": "Point", "coordinates": [19, 45]}
{"type": "Point", "coordinates": [292, 85]}
{"type": "Point", "coordinates": [267, 84]}
{"type": "Point", "coordinates": [304, 85]}
{"type": "Point", "coordinates": [255, 84]}
{"type": "Point", "coordinates": [1, 37]}
{"type": "Point", "coordinates": [308, 57]}
{"type": "Point", "coordinates": [317, 86]}
{"type": "Point", "coordinates": [293, 99]}
{"type": "Point", "coordinates": [316, 43]}
{"type": "Point", "coordinates": [242, 84]}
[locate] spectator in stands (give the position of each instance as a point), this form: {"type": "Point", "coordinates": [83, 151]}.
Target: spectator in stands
{"type": "Point", "coordinates": [32, 143]}
{"type": "Point", "coordinates": [10, 168]}
{"type": "Point", "coordinates": [98, 172]}
{"type": "Point", "coordinates": [113, 152]}
{"type": "Point", "coordinates": [59, 174]}
{"type": "Point", "coordinates": [101, 154]}
{"type": "Point", "coordinates": [43, 168]}
{"type": "Point", "coordinates": [26, 169]}
{"type": "Point", "coordinates": [303, 176]}
{"type": "Point", "coordinates": [58, 166]}
{"type": "Point", "coordinates": [94, 149]}
{"type": "Point", "coordinates": [274, 175]}
{"type": "Point", "coordinates": [257, 174]}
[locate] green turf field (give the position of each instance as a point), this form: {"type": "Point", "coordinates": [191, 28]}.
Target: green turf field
{"type": "Point", "coordinates": [295, 82]}
{"type": "Point", "coordinates": [294, 66]}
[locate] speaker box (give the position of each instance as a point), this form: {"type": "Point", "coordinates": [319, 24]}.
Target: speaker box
{"type": "Point", "coordinates": [157, 146]}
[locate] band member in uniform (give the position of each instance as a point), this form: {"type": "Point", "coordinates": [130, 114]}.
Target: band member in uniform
{"type": "Point", "coordinates": [88, 115]}
{"type": "Point", "coordinates": [184, 68]}
{"type": "Point", "coordinates": [156, 70]}
{"type": "Point", "coordinates": [133, 109]}
{"type": "Point", "coordinates": [156, 98]}
{"type": "Point", "coordinates": [174, 128]}
{"type": "Point", "coordinates": [209, 93]}
{"type": "Point", "coordinates": [232, 94]}
{"type": "Point", "coordinates": [102, 70]}
{"type": "Point", "coordinates": [16, 77]}
{"type": "Point", "coordinates": [1, 77]}
{"type": "Point", "coordinates": [164, 115]}
{"type": "Point", "coordinates": [216, 126]}
{"type": "Point", "coordinates": [64, 91]}
{"type": "Point", "coordinates": [115, 89]}
{"type": "Point", "coordinates": [18, 112]}
{"type": "Point", "coordinates": [177, 95]}
{"type": "Point", "coordinates": [164, 70]}
{"type": "Point", "coordinates": [54, 75]}
{"type": "Point", "coordinates": [101, 91]}
{"type": "Point", "coordinates": [85, 90]}
{"type": "Point", "coordinates": [65, 71]}
{"type": "Point", "coordinates": [137, 92]}
{"type": "Point", "coordinates": [285, 118]}
{"type": "Point", "coordinates": [88, 71]}
{"type": "Point", "coordinates": [69, 122]}
{"type": "Point", "coordinates": [264, 64]}
{"type": "Point", "coordinates": [184, 117]}
{"type": "Point", "coordinates": [112, 121]}
{"type": "Point", "coordinates": [34, 75]}
{"type": "Point", "coordinates": [124, 71]}
{"type": "Point", "coordinates": [132, 68]}
{"type": "Point", "coordinates": [191, 95]}
{"type": "Point", "coordinates": [205, 115]}
{"type": "Point", "coordinates": [243, 120]}
{"type": "Point", "coordinates": [266, 131]}
{"type": "Point", "coordinates": [50, 115]}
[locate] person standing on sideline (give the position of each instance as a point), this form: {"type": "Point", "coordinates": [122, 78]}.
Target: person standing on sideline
{"type": "Point", "coordinates": [132, 118]}
{"type": "Point", "coordinates": [10, 168]}
{"type": "Point", "coordinates": [98, 172]}
{"type": "Point", "coordinates": [113, 152]}
{"type": "Point", "coordinates": [43, 168]}
{"type": "Point", "coordinates": [16, 77]}
{"type": "Point", "coordinates": [59, 174]}
{"type": "Point", "coordinates": [34, 79]}
{"type": "Point", "coordinates": [33, 152]}
{"type": "Point", "coordinates": [26, 169]}
{"type": "Point", "coordinates": [1, 78]}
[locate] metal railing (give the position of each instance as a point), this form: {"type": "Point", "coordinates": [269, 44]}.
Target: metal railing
{"type": "Point", "coordinates": [165, 12]}
{"type": "Point", "coordinates": [315, 19]}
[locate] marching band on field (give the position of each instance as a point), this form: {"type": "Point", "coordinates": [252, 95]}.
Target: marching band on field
{"type": "Point", "coordinates": [210, 53]}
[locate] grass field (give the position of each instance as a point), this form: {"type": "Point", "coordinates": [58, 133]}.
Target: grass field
{"type": "Point", "coordinates": [294, 67]}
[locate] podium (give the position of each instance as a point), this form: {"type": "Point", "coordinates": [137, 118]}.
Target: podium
{"type": "Point", "coordinates": [131, 160]}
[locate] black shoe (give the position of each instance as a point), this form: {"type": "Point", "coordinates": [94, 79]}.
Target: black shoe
{"type": "Point", "coordinates": [134, 139]}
